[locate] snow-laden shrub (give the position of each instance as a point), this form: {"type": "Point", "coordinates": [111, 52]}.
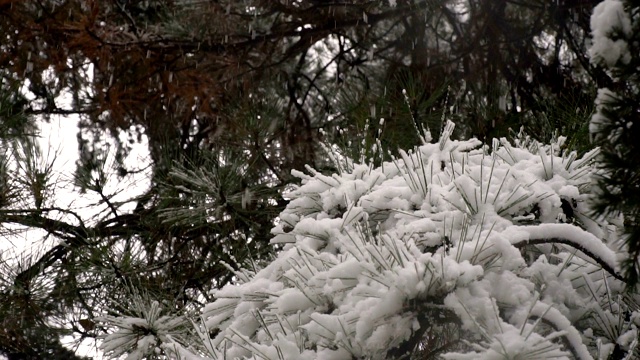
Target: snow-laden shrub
{"type": "Point", "coordinates": [455, 247]}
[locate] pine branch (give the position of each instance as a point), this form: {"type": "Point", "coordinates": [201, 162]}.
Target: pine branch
{"type": "Point", "coordinates": [250, 42]}
{"type": "Point", "coordinates": [605, 266]}
{"type": "Point", "coordinates": [74, 236]}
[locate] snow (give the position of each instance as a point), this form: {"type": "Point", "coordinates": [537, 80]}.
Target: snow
{"type": "Point", "coordinates": [579, 238]}
{"type": "Point", "coordinates": [561, 323]}
{"type": "Point", "coordinates": [610, 25]}
{"type": "Point", "coordinates": [449, 230]}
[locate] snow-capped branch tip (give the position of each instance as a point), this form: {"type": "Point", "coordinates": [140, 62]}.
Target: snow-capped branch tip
{"type": "Point", "coordinates": [575, 237]}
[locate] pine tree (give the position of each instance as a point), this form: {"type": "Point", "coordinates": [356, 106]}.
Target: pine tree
{"type": "Point", "coordinates": [231, 97]}
{"type": "Point", "coordinates": [616, 124]}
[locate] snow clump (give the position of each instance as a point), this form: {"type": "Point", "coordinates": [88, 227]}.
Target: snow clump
{"type": "Point", "coordinates": [611, 29]}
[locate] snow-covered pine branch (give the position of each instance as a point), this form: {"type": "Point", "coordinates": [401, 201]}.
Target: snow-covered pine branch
{"type": "Point", "coordinates": [492, 247]}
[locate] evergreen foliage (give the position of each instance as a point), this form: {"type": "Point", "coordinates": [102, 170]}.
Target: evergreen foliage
{"type": "Point", "coordinates": [616, 123]}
